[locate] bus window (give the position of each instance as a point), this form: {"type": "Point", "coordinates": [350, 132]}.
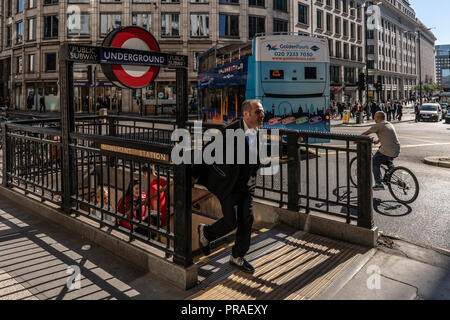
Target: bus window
{"type": "Point", "coordinates": [310, 73]}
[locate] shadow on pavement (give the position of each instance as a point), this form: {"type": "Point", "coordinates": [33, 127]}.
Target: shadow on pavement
{"type": "Point", "coordinates": [391, 208]}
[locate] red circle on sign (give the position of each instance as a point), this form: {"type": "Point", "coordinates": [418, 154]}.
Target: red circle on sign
{"type": "Point", "coordinates": [122, 76]}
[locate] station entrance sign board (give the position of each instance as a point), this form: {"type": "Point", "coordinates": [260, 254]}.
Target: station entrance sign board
{"type": "Point", "coordinates": [130, 57]}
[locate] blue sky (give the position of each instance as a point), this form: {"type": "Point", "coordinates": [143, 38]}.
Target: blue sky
{"type": "Point", "coordinates": [434, 13]}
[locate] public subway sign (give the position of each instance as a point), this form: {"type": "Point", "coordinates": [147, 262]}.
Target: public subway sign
{"type": "Point", "coordinates": [83, 54]}
{"type": "Point", "coordinates": [130, 57]}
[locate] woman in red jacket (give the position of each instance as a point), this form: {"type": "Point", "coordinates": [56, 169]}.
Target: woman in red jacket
{"type": "Point", "coordinates": [132, 196]}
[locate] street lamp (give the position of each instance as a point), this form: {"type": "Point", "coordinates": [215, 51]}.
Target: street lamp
{"type": "Point", "coordinates": [365, 5]}
{"type": "Point", "coordinates": [420, 59]}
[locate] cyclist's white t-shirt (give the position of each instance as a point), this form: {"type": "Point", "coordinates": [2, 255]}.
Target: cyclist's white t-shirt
{"type": "Point", "coordinates": [390, 146]}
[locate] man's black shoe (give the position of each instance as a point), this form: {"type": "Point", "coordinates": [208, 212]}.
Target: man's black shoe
{"type": "Point", "coordinates": [203, 243]}
{"type": "Point", "coordinates": [242, 263]}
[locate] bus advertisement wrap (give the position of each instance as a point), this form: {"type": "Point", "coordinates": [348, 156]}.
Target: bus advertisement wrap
{"type": "Point", "coordinates": [289, 74]}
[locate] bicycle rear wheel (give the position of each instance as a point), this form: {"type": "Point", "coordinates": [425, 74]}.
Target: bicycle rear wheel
{"type": "Point", "coordinates": [403, 185]}
{"type": "Point", "coordinates": [354, 171]}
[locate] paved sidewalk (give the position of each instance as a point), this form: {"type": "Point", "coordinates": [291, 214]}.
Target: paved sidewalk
{"type": "Point", "coordinates": [408, 116]}
{"type": "Point", "coordinates": [36, 255]}
{"type": "Point", "coordinates": [37, 259]}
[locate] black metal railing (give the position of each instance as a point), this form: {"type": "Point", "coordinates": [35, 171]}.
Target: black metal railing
{"type": "Point", "coordinates": [106, 157]}
{"type": "Point", "coordinates": [316, 176]}
{"type": "Point", "coordinates": [32, 160]}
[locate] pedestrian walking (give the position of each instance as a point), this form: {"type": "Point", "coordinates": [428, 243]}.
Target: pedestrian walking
{"type": "Point", "coordinates": [139, 103]}
{"type": "Point", "coordinates": [341, 110]}
{"type": "Point", "coordinates": [234, 186]}
{"type": "Point", "coordinates": [399, 112]}
{"type": "Point", "coordinates": [42, 104]}
{"type": "Point", "coordinates": [388, 110]}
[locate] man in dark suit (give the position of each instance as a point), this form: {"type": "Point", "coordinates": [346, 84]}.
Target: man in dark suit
{"type": "Point", "coordinates": [234, 185]}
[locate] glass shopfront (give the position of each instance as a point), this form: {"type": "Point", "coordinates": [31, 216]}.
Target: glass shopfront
{"type": "Point", "coordinates": [91, 99]}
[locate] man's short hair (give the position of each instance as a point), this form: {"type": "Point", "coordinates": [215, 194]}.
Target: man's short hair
{"type": "Point", "coordinates": [381, 114]}
{"type": "Point", "coordinates": [247, 105]}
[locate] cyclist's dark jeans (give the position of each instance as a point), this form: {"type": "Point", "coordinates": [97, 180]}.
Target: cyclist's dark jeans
{"type": "Point", "coordinates": [377, 160]}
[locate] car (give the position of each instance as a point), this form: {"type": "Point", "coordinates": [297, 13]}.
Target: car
{"type": "Point", "coordinates": [445, 108]}
{"type": "Point", "coordinates": [430, 112]}
{"type": "Point", "coordinates": [447, 117]}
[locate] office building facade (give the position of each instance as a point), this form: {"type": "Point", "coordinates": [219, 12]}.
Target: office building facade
{"type": "Point", "coordinates": [443, 65]}
{"type": "Point", "coordinates": [342, 23]}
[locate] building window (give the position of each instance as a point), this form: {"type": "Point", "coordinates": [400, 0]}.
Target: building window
{"type": "Point", "coordinates": [228, 25]}
{"type": "Point", "coordinates": [19, 6]}
{"type": "Point", "coordinates": [85, 23]}
{"type": "Point", "coordinates": [338, 49]}
{"type": "Point", "coordinates": [256, 25]}
{"type": "Point", "coordinates": [31, 63]}
{"type": "Point", "coordinates": [280, 25]}
{"type": "Point", "coordinates": [302, 14]}
{"type": "Point", "coordinates": [198, 1]}
{"type": "Point", "coordinates": [50, 61]}
{"type": "Point", "coordinates": [9, 13]}
{"type": "Point", "coordinates": [329, 22]}
{"type": "Point", "coordinates": [47, 2]}
{"type": "Point", "coordinates": [280, 5]}
{"type": "Point", "coordinates": [51, 26]}
{"type": "Point", "coordinates": [19, 31]}
{"type": "Point", "coordinates": [335, 74]}
{"type": "Point", "coordinates": [345, 28]}
{"type": "Point", "coordinates": [8, 35]}
{"type": "Point", "coordinates": [349, 75]}
{"type": "Point", "coordinates": [170, 24]}
{"type": "Point", "coordinates": [337, 25]}
{"type": "Point", "coordinates": [19, 65]}
{"type": "Point", "coordinates": [319, 19]}
{"type": "Point", "coordinates": [32, 4]}
{"type": "Point", "coordinates": [257, 3]}
{"type": "Point", "coordinates": [109, 22]}
{"type": "Point", "coordinates": [31, 29]}
{"type": "Point", "coordinates": [310, 73]}
{"type": "Point", "coordinates": [143, 20]}
{"type": "Point", "coordinates": [199, 25]}
{"type": "Point", "coordinates": [170, 1]}
{"type": "Point", "coordinates": [370, 64]}
{"type": "Point", "coordinates": [228, 1]}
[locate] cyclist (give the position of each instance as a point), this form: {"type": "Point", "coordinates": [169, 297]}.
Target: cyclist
{"type": "Point", "coordinates": [389, 149]}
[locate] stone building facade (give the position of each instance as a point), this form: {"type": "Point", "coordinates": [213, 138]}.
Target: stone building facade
{"type": "Point", "coordinates": [342, 23]}
{"type": "Point", "coordinates": [393, 51]}
{"type": "Point", "coordinates": [32, 32]}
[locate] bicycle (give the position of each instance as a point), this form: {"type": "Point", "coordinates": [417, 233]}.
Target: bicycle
{"type": "Point", "coordinates": [402, 183]}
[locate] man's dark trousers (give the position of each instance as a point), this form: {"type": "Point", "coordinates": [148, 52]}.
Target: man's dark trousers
{"type": "Point", "coordinates": [237, 211]}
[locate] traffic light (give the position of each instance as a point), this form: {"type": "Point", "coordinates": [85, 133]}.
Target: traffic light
{"type": "Point", "coordinates": [379, 85]}
{"type": "Point", "coordinates": [362, 82]}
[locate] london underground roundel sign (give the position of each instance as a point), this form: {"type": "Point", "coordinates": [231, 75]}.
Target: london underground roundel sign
{"type": "Point", "coordinates": [127, 75]}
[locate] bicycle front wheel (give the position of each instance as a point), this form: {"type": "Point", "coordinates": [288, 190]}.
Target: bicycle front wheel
{"type": "Point", "coordinates": [403, 185]}
{"type": "Point", "coordinates": [354, 171]}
